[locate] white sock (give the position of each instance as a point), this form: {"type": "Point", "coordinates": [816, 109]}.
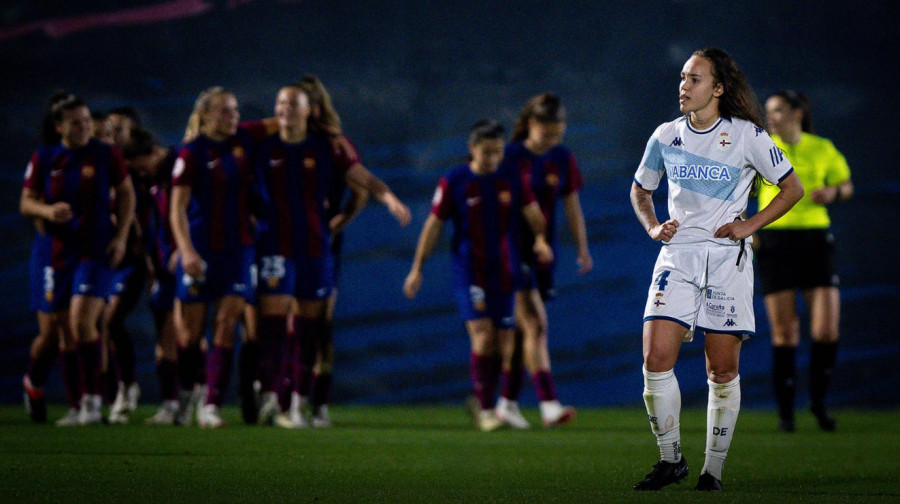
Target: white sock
{"type": "Point", "coordinates": [663, 400]}
{"type": "Point", "coordinates": [721, 415]}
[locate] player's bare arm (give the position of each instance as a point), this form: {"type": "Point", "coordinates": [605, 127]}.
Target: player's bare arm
{"type": "Point", "coordinates": [642, 202]}
{"type": "Point", "coordinates": [431, 231]}
{"type": "Point", "coordinates": [575, 219]}
{"type": "Point", "coordinates": [358, 174]}
{"type": "Point", "coordinates": [790, 194]}
{"type": "Point", "coordinates": [538, 225]}
{"type": "Point", "coordinates": [30, 206]}
{"type": "Point", "coordinates": [190, 259]}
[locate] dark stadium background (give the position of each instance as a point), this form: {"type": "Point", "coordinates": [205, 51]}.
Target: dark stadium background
{"type": "Point", "coordinates": [408, 78]}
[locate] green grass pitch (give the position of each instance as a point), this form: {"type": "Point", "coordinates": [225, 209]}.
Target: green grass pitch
{"type": "Point", "coordinates": [433, 455]}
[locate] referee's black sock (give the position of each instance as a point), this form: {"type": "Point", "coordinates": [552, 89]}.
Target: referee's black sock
{"type": "Point", "coordinates": [821, 366]}
{"type": "Point", "coordinates": [784, 378]}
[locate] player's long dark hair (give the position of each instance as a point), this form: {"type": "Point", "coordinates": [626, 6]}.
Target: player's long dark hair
{"type": "Point", "coordinates": [797, 101]}
{"type": "Point", "coordinates": [60, 102]}
{"type": "Point", "coordinates": [324, 117]}
{"type": "Point", "coordinates": [737, 99]}
{"type": "Point", "coordinates": [545, 108]}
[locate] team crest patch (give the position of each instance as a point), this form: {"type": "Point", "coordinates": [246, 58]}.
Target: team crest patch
{"type": "Point", "coordinates": [724, 142]}
{"type": "Point", "coordinates": [87, 171]}
{"type": "Point", "coordinates": [237, 152]}
{"type": "Point", "coordinates": [552, 179]}
{"type": "Point", "coordinates": [504, 197]}
{"type": "Point", "coordinates": [309, 163]}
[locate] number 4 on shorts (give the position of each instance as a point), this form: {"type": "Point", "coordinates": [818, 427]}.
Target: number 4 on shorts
{"type": "Point", "coordinates": [661, 280]}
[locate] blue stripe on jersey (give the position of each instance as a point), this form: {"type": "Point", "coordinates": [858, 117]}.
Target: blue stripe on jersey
{"type": "Point", "coordinates": [653, 155]}
{"type": "Point", "coordinates": [699, 174]}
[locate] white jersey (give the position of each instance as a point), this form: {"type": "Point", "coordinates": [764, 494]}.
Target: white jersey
{"type": "Point", "coordinates": [709, 172]}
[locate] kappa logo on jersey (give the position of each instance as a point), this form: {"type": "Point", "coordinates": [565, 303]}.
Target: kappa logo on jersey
{"type": "Point", "coordinates": [776, 154]}
{"type": "Point", "coordinates": [698, 172]}
{"type": "Point", "coordinates": [473, 201]}
{"type": "Point", "coordinates": [274, 163]}
{"type": "Point", "coordinates": [677, 142]}
{"type": "Point", "coordinates": [504, 197]}
{"type": "Point", "coordinates": [730, 323]}
{"type": "Point", "coordinates": [212, 164]}
{"type": "Point", "coordinates": [758, 130]}
{"type": "Point", "coordinates": [723, 142]}
{"type": "Point", "coordinates": [87, 171]}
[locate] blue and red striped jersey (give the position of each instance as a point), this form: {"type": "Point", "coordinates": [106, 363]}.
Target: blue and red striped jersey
{"type": "Point", "coordinates": [486, 211]}
{"type": "Point", "coordinates": [220, 175]}
{"type": "Point", "coordinates": [153, 212]}
{"type": "Point", "coordinates": [552, 175]}
{"type": "Point", "coordinates": [81, 177]}
{"type": "Point", "coordinates": [296, 184]}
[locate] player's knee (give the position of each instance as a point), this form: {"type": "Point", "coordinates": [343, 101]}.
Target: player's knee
{"type": "Point", "coordinates": [722, 373]}
{"type": "Point", "coordinates": [826, 335]}
{"type": "Point", "coordinates": [657, 362]}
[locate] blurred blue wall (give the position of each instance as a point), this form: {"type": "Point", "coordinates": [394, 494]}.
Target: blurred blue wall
{"type": "Point", "coordinates": [409, 77]}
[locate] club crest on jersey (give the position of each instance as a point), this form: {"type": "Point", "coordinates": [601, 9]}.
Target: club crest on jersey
{"type": "Point", "coordinates": [87, 171]}
{"type": "Point", "coordinates": [237, 151]}
{"type": "Point", "coordinates": [723, 143]}
{"type": "Point", "coordinates": [552, 179]}
{"type": "Point", "coordinates": [309, 163]}
{"type": "Point", "coordinates": [504, 197]}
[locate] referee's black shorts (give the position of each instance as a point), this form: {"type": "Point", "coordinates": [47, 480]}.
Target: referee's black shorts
{"type": "Point", "coordinates": [795, 259]}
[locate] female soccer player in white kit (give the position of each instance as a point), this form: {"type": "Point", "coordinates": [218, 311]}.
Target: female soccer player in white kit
{"type": "Point", "coordinates": [703, 278]}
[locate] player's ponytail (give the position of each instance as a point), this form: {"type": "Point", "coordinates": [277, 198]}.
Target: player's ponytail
{"type": "Point", "coordinates": [545, 108]}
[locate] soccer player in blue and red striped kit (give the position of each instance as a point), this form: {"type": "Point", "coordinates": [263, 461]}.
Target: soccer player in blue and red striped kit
{"type": "Point", "coordinates": [68, 190]}
{"type": "Point", "coordinates": [212, 195]}
{"type": "Point", "coordinates": [484, 199]}
{"type": "Point", "coordinates": [297, 171]}
{"type": "Point", "coordinates": [536, 149]}
{"type": "Point", "coordinates": [151, 165]}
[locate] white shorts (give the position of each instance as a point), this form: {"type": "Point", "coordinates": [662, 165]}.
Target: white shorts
{"type": "Point", "coordinates": [700, 286]}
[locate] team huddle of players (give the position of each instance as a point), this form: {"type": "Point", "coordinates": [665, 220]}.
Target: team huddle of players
{"type": "Point", "coordinates": [245, 220]}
